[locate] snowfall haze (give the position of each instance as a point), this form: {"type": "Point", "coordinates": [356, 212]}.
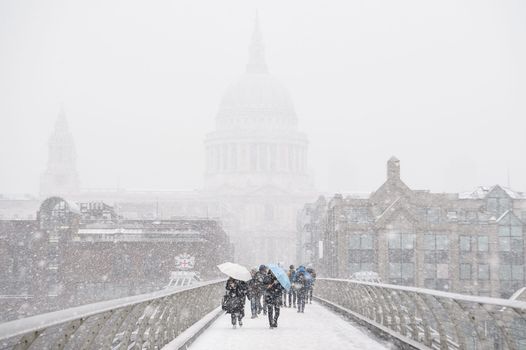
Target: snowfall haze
{"type": "Point", "coordinates": [441, 86]}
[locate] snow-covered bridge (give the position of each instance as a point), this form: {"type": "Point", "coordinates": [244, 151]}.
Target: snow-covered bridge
{"type": "Point", "coordinates": [346, 315]}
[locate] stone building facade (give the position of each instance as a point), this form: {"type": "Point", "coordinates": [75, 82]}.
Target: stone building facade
{"type": "Point", "coordinates": [470, 243]}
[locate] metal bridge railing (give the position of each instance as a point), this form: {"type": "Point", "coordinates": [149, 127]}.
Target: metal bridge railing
{"type": "Point", "coordinates": [147, 321]}
{"type": "Point", "coordinates": [429, 319]}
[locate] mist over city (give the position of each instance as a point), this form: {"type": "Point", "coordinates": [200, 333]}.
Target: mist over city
{"type": "Point", "coordinates": [190, 174]}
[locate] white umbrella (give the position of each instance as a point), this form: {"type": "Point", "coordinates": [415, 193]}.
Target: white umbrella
{"type": "Point", "coordinates": [235, 271]}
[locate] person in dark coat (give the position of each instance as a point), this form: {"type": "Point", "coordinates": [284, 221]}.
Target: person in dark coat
{"type": "Point", "coordinates": [292, 293]}
{"type": "Point", "coordinates": [236, 292]}
{"type": "Point", "coordinates": [273, 293]}
{"type": "Point", "coordinates": [310, 287]}
{"type": "Point", "coordinates": [253, 294]}
{"type": "Point", "coordinates": [301, 285]}
{"type": "Point", "coordinates": [260, 283]}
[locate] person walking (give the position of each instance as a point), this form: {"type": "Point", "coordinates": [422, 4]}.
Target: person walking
{"type": "Point", "coordinates": [236, 291]}
{"type": "Point", "coordinates": [273, 293]}
{"type": "Point", "coordinates": [310, 286]}
{"type": "Point", "coordinates": [301, 288]}
{"type": "Point", "coordinates": [292, 293]}
{"type": "Point", "coordinates": [260, 282]}
{"type": "Point", "coordinates": [253, 292]}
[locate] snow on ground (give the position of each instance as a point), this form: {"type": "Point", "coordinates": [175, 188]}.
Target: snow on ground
{"type": "Point", "coordinates": [317, 328]}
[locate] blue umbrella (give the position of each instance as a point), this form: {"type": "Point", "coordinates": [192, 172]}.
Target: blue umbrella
{"type": "Point", "coordinates": [281, 275]}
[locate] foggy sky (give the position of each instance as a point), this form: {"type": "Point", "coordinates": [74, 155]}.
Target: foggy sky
{"type": "Point", "coordinates": [441, 85]}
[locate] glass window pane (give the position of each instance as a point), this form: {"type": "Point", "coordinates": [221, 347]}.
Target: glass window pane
{"type": "Point", "coordinates": [354, 267]}
{"type": "Point", "coordinates": [394, 240]}
{"type": "Point", "coordinates": [367, 267]}
{"type": "Point", "coordinates": [442, 242]}
{"type": "Point", "coordinates": [465, 271]}
{"type": "Point", "coordinates": [443, 271]}
{"type": "Point", "coordinates": [465, 243]}
{"type": "Point", "coordinates": [395, 269]}
{"type": "Point", "coordinates": [367, 241]}
{"type": "Point", "coordinates": [504, 244]}
{"type": "Point", "coordinates": [408, 241]}
{"type": "Point", "coordinates": [408, 270]}
{"type": "Point", "coordinates": [505, 272]}
{"type": "Point", "coordinates": [429, 242]}
{"type": "Point", "coordinates": [517, 272]}
{"type": "Point", "coordinates": [354, 242]}
{"type": "Point", "coordinates": [483, 243]}
{"type": "Point", "coordinates": [483, 272]}
{"type": "Point", "coordinates": [516, 231]}
{"type": "Point", "coordinates": [429, 271]}
{"type": "Point", "coordinates": [504, 230]}
{"type": "Point", "coordinates": [517, 244]}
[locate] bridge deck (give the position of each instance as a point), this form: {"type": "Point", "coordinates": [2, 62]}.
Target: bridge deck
{"type": "Point", "coordinates": [317, 328]}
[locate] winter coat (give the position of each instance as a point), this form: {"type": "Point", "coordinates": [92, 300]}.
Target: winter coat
{"type": "Point", "coordinates": [313, 275]}
{"type": "Point", "coordinates": [292, 275]}
{"type": "Point", "coordinates": [300, 283]}
{"type": "Point", "coordinates": [253, 288]}
{"type": "Point", "coordinates": [273, 290]}
{"type": "Point", "coordinates": [260, 281]}
{"type": "Point", "coordinates": [235, 296]}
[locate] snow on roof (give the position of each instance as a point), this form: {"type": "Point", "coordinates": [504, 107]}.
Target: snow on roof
{"type": "Point", "coordinates": [482, 191]}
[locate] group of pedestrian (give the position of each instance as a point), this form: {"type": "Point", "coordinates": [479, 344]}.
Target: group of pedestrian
{"type": "Point", "coordinates": [302, 280]}
{"type": "Point", "coordinates": [266, 294]}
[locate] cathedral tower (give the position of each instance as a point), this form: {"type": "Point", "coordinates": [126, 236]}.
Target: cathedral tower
{"type": "Point", "coordinates": [60, 177]}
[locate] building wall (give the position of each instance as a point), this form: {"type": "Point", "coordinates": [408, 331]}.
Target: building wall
{"type": "Point", "coordinates": [469, 243]}
{"type": "Point", "coordinates": [67, 258]}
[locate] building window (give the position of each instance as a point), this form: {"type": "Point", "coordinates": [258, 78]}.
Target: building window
{"type": "Point", "coordinates": [436, 242]}
{"type": "Point", "coordinates": [510, 238]}
{"type": "Point", "coordinates": [361, 241]}
{"type": "Point", "coordinates": [465, 271]}
{"type": "Point", "coordinates": [401, 270]}
{"type": "Point", "coordinates": [401, 241]}
{"type": "Point", "coordinates": [401, 258]}
{"type": "Point", "coordinates": [482, 243]}
{"type": "Point", "coordinates": [511, 272]}
{"type": "Point", "coordinates": [361, 253]}
{"type": "Point", "coordinates": [483, 272]}
{"type": "Point", "coordinates": [442, 271]}
{"type": "Point", "coordinates": [465, 243]}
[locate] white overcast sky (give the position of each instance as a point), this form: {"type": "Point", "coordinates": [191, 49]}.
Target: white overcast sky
{"type": "Point", "coordinates": [439, 84]}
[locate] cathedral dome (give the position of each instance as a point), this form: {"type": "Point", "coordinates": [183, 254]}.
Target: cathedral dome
{"type": "Point", "coordinates": [256, 99]}
{"type": "Point", "coordinates": [257, 94]}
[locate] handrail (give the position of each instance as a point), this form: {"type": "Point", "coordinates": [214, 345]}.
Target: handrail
{"type": "Point", "coordinates": [438, 293]}
{"type": "Point", "coordinates": [135, 311]}
{"type": "Point", "coordinates": [432, 319]}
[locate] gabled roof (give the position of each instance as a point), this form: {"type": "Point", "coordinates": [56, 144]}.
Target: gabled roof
{"type": "Point", "coordinates": [506, 213]}
{"type": "Point", "coordinates": [394, 210]}
{"type": "Point", "coordinates": [396, 186]}
{"type": "Point", "coordinates": [482, 192]}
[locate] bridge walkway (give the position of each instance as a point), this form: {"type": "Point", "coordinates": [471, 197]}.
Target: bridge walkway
{"type": "Point", "coordinates": [317, 328]}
